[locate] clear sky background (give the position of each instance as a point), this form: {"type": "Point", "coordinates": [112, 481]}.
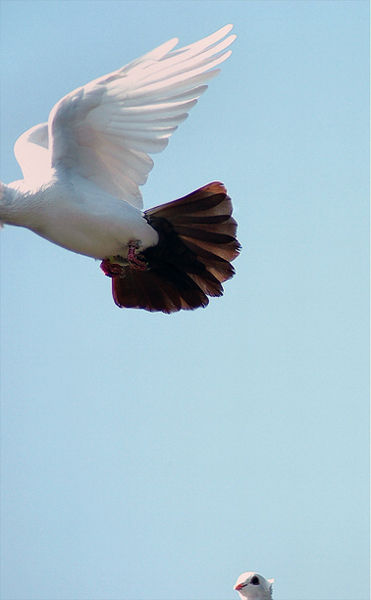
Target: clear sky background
{"type": "Point", "coordinates": [155, 457]}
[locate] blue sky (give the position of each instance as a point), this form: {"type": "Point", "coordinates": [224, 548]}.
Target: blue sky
{"type": "Point", "coordinates": [155, 457]}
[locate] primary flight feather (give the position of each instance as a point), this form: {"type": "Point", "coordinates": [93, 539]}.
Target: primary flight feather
{"type": "Point", "coordinates": [83, 168]}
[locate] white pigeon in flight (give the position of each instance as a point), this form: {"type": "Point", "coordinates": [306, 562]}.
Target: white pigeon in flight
{"type": "Point", "coordinates": [254, 586]}
{"type": "Point", "coordinates": [83, 168]}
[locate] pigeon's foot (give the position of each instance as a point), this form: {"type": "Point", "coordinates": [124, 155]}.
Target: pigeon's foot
{"type": "Point", "coordinates": [114, 266]}
{"type": "Point", "coordinates": [111, 268]}
{"type": "Point", "coordinates": [136, 261]}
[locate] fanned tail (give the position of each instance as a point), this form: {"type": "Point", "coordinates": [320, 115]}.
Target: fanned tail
{"type": "Point", "coordinates": [197, 243]}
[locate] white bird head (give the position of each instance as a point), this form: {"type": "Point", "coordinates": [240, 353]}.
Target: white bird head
{"type": "Point", "coordinates": [254, 586]}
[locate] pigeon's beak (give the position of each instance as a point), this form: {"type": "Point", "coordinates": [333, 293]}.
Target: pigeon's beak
{"type": "Point", "coordinates": [239, 586]}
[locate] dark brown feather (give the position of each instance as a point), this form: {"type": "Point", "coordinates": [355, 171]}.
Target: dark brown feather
{"type": "Point", "coordinates": [197, 242]}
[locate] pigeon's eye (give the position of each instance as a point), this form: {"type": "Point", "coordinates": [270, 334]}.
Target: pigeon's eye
{"type": "Point", "coordinates": [255, 580]}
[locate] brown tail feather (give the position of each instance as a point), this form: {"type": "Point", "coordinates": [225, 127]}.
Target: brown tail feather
{"type": "Point", "coordinates": [192, 258]}
{"type": "Point", "coordinates": [150, 291]}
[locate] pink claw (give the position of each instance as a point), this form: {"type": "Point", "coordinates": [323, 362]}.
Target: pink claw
{"type": "Point", "coordinates": [111, 269]}
{"type": "Point", "coordinates": [134, 260]}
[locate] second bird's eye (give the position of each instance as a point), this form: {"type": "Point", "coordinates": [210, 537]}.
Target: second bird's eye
{"type": "Point", "coordinates": [255, 580]}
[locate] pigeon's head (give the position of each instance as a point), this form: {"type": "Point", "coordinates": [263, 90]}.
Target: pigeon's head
{"type": "Point", "coordinates": [253, 586]}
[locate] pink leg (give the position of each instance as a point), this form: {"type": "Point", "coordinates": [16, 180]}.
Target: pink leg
{"type": "Point", "coordinates": [135, 261]}
{"type": "Point", "coordinates": [111, 269]}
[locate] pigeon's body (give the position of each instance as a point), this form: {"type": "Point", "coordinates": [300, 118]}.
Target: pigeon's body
{"type": "Point", "coordinates": [253, 586]}
{"type": "Point", "coordinates": [75, 214]}
{"type": "Point", "coordinates": [83, 168]}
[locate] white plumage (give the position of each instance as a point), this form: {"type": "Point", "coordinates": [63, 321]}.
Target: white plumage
{"type": "Point", "coordinates": [253, 586]}
{"type": "Point", "coordinates": [83, 168]}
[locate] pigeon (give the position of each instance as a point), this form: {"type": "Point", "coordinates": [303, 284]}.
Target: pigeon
{"type": "Point", "coordinates": [83, 168]}
{"type": "Point", "coordinates": [254, 586]}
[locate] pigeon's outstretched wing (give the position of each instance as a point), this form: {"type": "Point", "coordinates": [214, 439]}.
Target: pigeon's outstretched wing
{"type": "Point", "coordinates": [105, 130]}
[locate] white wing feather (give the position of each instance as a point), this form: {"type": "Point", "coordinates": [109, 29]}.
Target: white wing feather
{"type": "Point", "coordinates": [104, 130]}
